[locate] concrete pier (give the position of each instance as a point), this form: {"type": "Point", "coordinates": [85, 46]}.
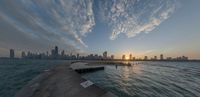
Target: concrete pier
{"type": "Point", "coordinates": [61, 82]}
{"type": "Point", "coordinates": [81, 67]}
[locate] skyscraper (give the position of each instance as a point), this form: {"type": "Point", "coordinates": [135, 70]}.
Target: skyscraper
{"type": "Point", "coordinates": [63, 53]}
{"type": "Point", "coordinates": [123, 57]}
{"type": "Point", "coordinates": [23, 55]}
{"type": "Point", "coordinates": [155, 57]}
{"type": "Point", "coordinates": [47, 53]}
{"type": "Point", "coordinates": [130, 57]}
{"type": "Point", "coordinates": [105, 54]}
{"type": "Point", "coordinates": [53, 52]}
{"type": "Point", "coordinates": [145, 58]}
{"type": "Point", "coordinates": [12, 53]}
{"type": "Point", "coordinates": [56, 50]}
{"type": "Point", "coordinates": [161, 57]}
{"type": "Point", "coordinates": [112, 56]}
{"type": "Point", "coordinates": [133, 58]}
{"type": "Point", "coordinates": [77, 56]}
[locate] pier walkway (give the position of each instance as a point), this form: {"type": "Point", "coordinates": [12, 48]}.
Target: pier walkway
{"type": "Point", "coordinates": [82, 67]}
{"type": "Point", "coordinates": [62, 81]}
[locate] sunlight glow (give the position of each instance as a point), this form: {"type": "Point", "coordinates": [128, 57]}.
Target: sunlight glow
{"type": "Point", "coordinates": [127, 58]}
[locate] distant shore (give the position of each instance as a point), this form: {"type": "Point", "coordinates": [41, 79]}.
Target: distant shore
{"type": "Point", "coordinates": [109, 60]}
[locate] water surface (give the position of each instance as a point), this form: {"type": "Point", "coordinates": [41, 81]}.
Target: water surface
{"type": "Point", "coordinates": [14, 74]}
{"type": "Point", "coordinates": [150, 79]}
{"type": "Point", "coordinates": [146, 79]}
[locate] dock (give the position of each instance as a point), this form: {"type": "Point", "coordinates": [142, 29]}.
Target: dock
{"type": "Point", "coordinates": [81, 67]}
{"type": "Point", "coordinates": [62, 81]}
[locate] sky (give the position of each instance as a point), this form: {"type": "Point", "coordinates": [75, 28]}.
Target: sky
{"type": "Point", "coordinates": [139, 27]}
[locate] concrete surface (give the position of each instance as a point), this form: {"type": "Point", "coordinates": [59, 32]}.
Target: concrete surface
{"type": "Point", "coordinates": [61, 82]}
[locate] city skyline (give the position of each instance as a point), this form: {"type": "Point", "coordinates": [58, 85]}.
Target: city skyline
{"type": "Point", "coordinates": [21, 53]}
{"type": "Point", "coordinates": [137, 27]}
{"type": "Point", "coordinates": [57, 54]}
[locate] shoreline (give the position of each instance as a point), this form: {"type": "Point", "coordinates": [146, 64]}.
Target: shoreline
{"type": "Point", "coordinates": [114, 60]}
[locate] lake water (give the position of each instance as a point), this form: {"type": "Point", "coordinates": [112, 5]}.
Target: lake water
{"type": "Point", "coordinates": [150, 79]}
{"type": "Point", "coordinates": [14, 74]}
{"type": "Point", "coordinates": [146, 79]}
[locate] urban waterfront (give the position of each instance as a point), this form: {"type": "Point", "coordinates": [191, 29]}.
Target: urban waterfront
{"type": "Point", "coordinates": [57, 54]}
{"type": "Point", "coordinates": [146, 79]}
{"type": "Point", "coordinates": [99, 48]}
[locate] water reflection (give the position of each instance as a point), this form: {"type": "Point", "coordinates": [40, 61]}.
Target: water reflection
{"type": "Point", "coordinates": [150, 79]}
{"type": "Point", "coordinates": [125, 73]}
{"type": "Point", "coordinates": [137, 68]}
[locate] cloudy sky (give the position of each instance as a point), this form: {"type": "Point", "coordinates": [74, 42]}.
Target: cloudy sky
{"type": "Point", "coordinates": [140, 27]}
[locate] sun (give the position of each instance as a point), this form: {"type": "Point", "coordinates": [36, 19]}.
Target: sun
{"type": "Point", "coordinates": [127, 58]}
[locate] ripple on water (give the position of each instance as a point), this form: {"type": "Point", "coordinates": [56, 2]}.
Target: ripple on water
{"type": "Point", "coordinates": [151, 79]}
{"type": "Point", "coordinates": [14, 74]}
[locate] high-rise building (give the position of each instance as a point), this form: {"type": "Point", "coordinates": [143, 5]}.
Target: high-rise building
{"type": "Point", "coordinates": [155, 57]}
{"type": "Point", "coordinates": [184, 58]}
{"type": "Point", "coordinates": [77, 56]}
{"type": "Point", "coordinates": [112, 56]}
{"type": "Point", "coordinates": [12, 53]}
{"type": "Point", "coordinates": [161, 57]}
{"type": "Point", "coordinates": [63, 53]}
{"type": "Point", "coordinates": [105, 54]}
{"type": "Point", "coordinates": [29, 54]}
{"type": "Point", "coordinates": [130, 57]}
{"type": "Point", "coordinates": [56, 50]}
{"type": "Point", "coordinates": [23, 55]}
{"type": "Point", "coordinates": [145, 58]}
{"type": "Point", "coordinates": [52, 52]}
{"type": "Point", "coordinates": [47, 53]}
{"type": "Point", "coordinates": [169, 58]}
{"type": "Point", "coordinates": [133, 58]}
{"type": "Point", "coordinates": [123, 57]}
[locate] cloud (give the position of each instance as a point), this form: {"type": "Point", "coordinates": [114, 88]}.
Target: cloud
{"type": "Point", "coordinates": [46, 22]}
{"type": "Point", "coordinates": [40, 24]}
{"type": "Point", "coordinates": [132, 17]}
